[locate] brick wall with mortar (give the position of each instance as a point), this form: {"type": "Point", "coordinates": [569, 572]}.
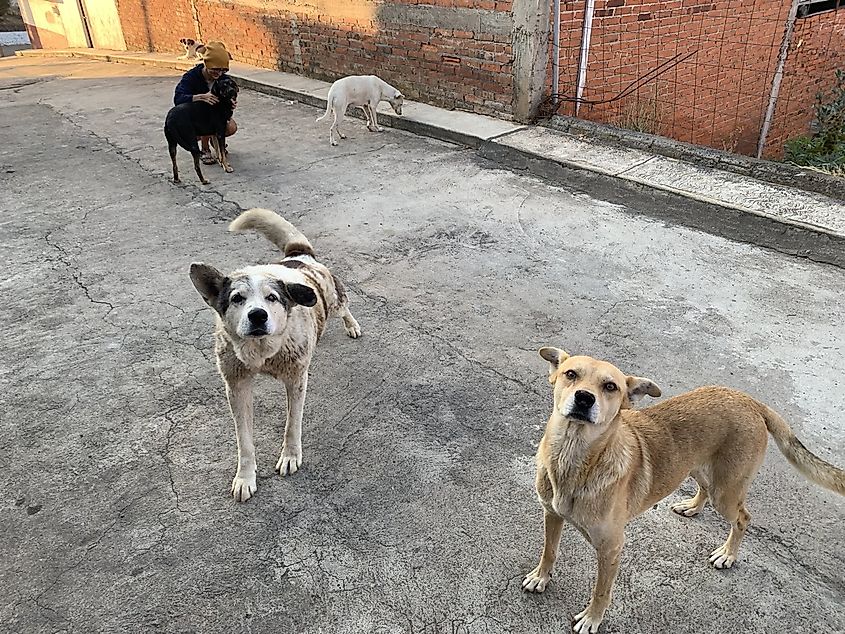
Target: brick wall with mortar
{"type": "Point", "coordinates": [450, 53]}
{"type": "Point", "coordinates": [717, 97]}
{"type": "Point", "coordinates": [156, 25]}
{"type": "Point", "coordinates": [816, 51]}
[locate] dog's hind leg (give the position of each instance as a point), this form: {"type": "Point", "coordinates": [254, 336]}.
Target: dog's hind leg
{"type": "Point", "coordinates": [731, 506]}
{"type": "Point", "coordinates": [171, 147]}
{"type": "Point", "coordinates": [335, 127]}
{"type": "Point", "coordinates": [353, 329]}
{"type": "Point", "coordinates": [692, 506]}
{"type": "Point", "coordinates": [338, 121]}
{"type": "Point", "coordinates": [198, 169]}
{"type": "Point", "coordinates": [291, 458]}
{"type": "Point", "coordinates": [239, 396]}
{"type": "Point", "coordinates": [538, 579]}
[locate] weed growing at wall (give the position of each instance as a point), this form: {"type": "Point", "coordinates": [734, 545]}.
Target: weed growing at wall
{"type": "Point", "coordinates": [824, 150]}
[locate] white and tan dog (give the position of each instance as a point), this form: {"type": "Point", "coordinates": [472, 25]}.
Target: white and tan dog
{"type": "Point", "coordinates": [269, 319]}
{"type": "Point", "coordinates": [364, 91]}
{"type": "Point", "coordinates": [600, 463]}
{"type": "Point", "coordinates": [193, 49]}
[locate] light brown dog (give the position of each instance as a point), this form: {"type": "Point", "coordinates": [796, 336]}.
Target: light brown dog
{"type": "Point", "coordinates": [600, 463]}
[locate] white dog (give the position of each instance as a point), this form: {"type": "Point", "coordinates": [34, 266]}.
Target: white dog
{"type": "Point", "coordinates": [364, 91]}
{"type": "Point", "coordinates": [193, 49]}
{"type": "Point", "coordinates": [269, 319]}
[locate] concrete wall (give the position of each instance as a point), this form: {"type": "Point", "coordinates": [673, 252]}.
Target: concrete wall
{"type": "Point", "coordinates": [53, 23]}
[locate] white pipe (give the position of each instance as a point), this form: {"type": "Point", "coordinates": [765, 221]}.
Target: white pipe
{"type": "Point", "coordinates": [556, 50]}
{"type": "Point", "coordinates": [778, 78]}
{"type": "Point", "coordinates": [585, 52]}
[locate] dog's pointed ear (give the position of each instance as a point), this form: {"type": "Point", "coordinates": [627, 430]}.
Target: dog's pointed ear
{"type": "Point", "coordinates": [639, 387]}
{"type": "Point", "coordinates": [555, 356]}
{"type": "Point", "coordinates": [299, 294]}
{"type": "Point", "coordinates": [398, 95]}
{"type": "Point", "coordinates": [208, 281]}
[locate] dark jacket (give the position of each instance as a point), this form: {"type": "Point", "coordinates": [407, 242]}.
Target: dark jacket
{"type": "Point", "coordinates": [192, 83]}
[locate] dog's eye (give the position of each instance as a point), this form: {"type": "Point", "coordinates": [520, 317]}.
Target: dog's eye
{"type": "Point", "coordinates": [571, 375]}
{"type": "Point", "coordinates": [272, 298]}
{"type": "Point", "coordinates": [237, 298]}
{"type": "Point", "coordinates": [610, 386]}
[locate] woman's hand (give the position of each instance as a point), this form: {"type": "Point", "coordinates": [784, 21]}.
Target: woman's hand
{"type": "Point", "coordinates": [207, 98]}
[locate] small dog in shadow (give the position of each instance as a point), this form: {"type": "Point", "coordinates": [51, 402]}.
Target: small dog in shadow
{"type": "Point", "coordinates": [188, 121]}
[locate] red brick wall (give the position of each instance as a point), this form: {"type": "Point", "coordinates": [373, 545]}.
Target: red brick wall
{"type": "Point", "coordinates": [717, 97]}
{"type": "Point", "coordinates": [156, 25]}
{"type": "Point", "coordinates": [445, 64]}
{"type": "Point", "coordinates": [817, 49]}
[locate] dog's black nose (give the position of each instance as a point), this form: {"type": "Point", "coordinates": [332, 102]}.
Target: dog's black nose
{"type": "Point", "coordinates": [583, 398]}
{"type": "Point", "coordinates": [257, 316]}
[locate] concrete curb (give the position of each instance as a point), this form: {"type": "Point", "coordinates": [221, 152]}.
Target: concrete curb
{"type": "Point", "coordinates": [795, 238]}
{"type": "Point", "coordinates": [768, 171]}
{"type": "Point", "coordinates": [495, 140]}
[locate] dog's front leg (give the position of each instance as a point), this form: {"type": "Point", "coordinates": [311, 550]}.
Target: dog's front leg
{"type": "Point", "coordinates": [374, 126]}
{"type": "Point", "coordinates": [291, 458]}
{"type": "Point", "coordinates": [222, 154]}
{"type": "Point", "coordinates": [538, 579]}
{"type": "Point", "coordinates": [199, 169]}
{"type": "Point", "coordinates": [240, 403]}
{"type": "Point", "coordinates": [609, 550]}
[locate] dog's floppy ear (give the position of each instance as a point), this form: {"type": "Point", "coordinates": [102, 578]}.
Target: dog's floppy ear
{"type": "Point", "coordinates": [299, 293]}
{"type": "Point", "coordinates": [638, 387]}
{"type": "Point", "coordinates": [398, 95]}
{"type": "Point", "coordinates": [208, 281]}
{"type": "Point", "coordinates": [555, 356]}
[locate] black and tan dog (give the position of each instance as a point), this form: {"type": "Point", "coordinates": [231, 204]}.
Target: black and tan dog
{"type": "Point", "coordinates": [600, 463]}
{"type": "Point", "coordinates": [187, 121]}
{"type": "Point", "coordinates": [269, 319]}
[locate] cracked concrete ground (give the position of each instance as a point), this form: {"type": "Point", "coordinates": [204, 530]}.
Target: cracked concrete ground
{"type": "Point", "coordinates": [414, 511]}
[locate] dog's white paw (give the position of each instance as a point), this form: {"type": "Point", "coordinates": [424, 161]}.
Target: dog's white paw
{"type": "Point", "coordinates": [535, 582]}
{"type": "Point", "coordinates": [334, 142]}
{"type": "Point", "coordinates": [353, 329]}
{"type": "Point", "coordinates": [290, 461]}
{"type": "Point", "coordinates": [687, 508]}
{"type": "Point", "coordinates": [586, 623]}
{"type": "Point", "coordinates": [341, 134]}
{"type": "Point", "coordinates": [379, 128]}
{"type": "Point", "coordinates": [229, 169]}
{"type": "Point", "coordinates": [243, 487]}
{"type": "Point", "coordinates": [722, 557]}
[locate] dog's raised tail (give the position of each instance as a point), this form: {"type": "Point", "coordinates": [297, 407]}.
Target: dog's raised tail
{"type": "Point", "coordinates": [275, 228]}
{"type": "Point", "coordinates": [811, 466]}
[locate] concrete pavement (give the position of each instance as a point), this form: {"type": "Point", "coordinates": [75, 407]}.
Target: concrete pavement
{"type": "Point", "coordinates": [414, 510]}
{"type": "Point", "coordinates": [795, 210]}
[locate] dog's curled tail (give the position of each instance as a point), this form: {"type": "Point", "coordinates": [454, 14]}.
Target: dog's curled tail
{"type": "Point", "coordinates": [275, 228]}
{"type": "Point", "coordinates": [811, 466]}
